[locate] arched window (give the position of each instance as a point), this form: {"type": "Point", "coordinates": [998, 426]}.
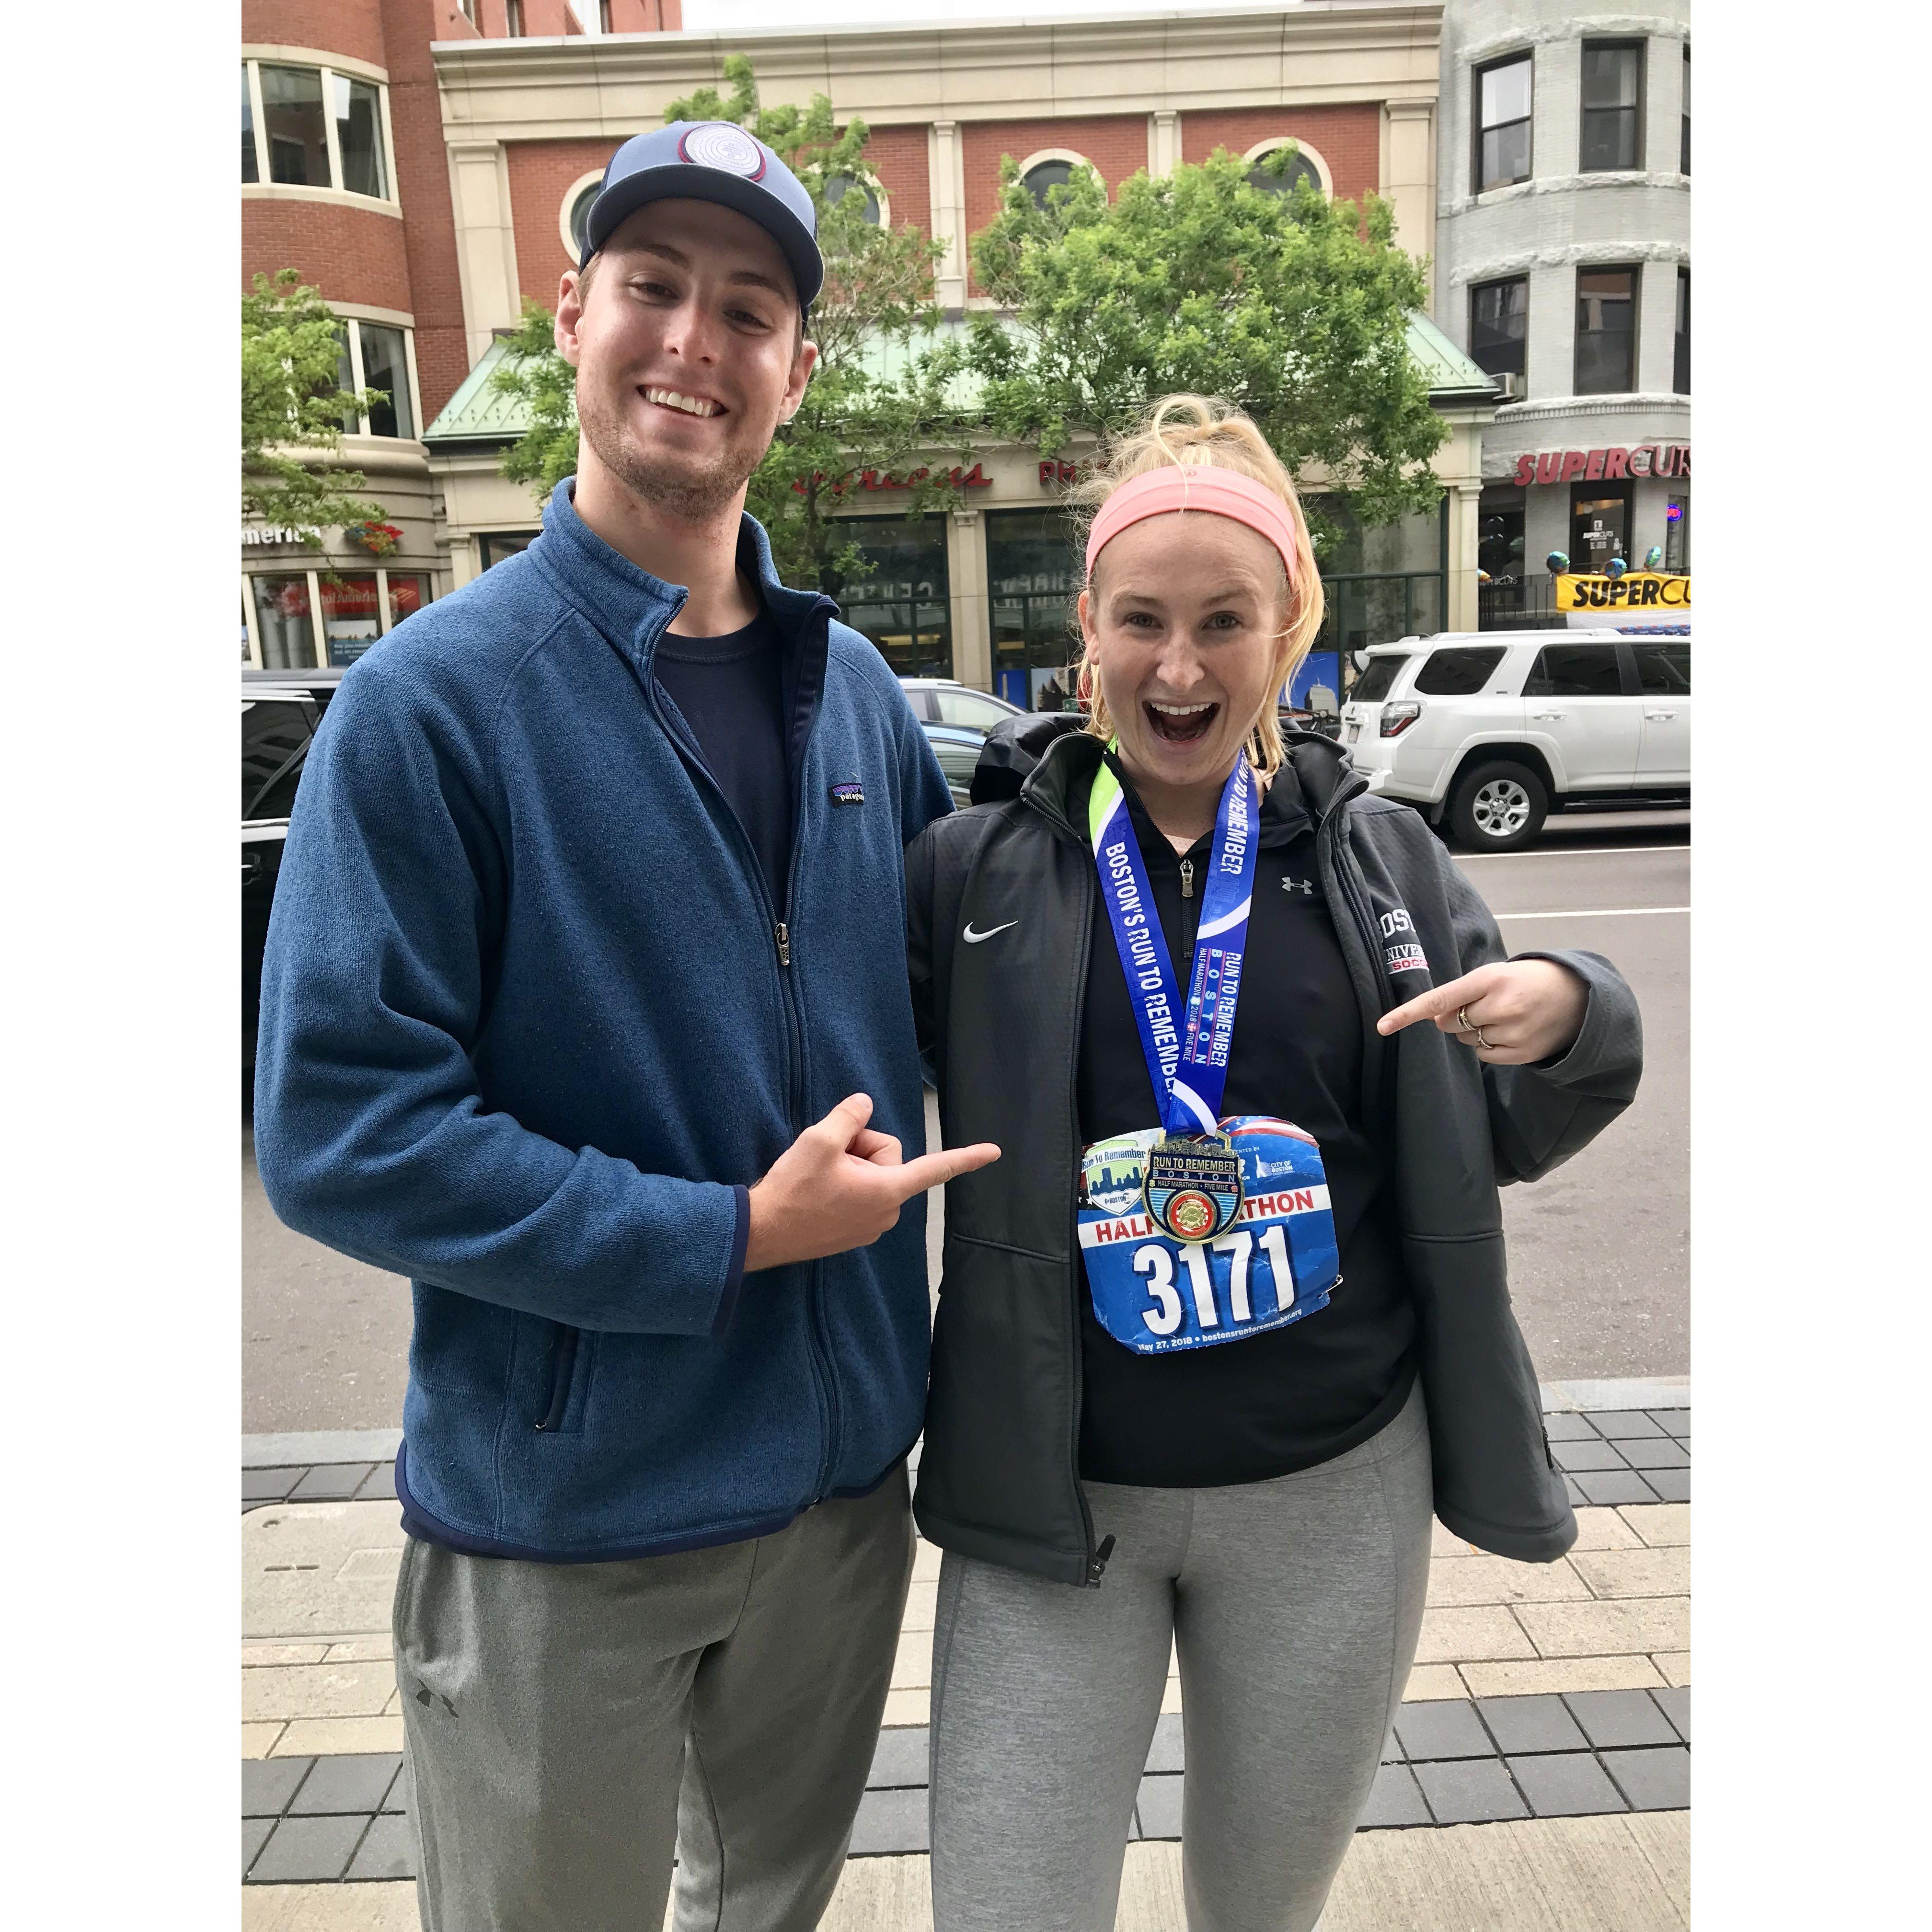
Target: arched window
{"type": "Point", "coordinates": [1050, 168]}
{"type": "Point", "coordinates": [575, 212]}
{"type": "Point", "coordinates": [837, 187]}
{"type": "Point", "coordinates": [1308, 166]}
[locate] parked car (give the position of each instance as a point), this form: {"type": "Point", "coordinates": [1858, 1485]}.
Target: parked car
{"type": "Point", "coordinates": [280, 711]}
{"type": "Point", "coordinates": [957, 749]}
{"type": "Point", "coordinates": [939, 700]}
{"type": "Point", "coordinates": [1486, 733]}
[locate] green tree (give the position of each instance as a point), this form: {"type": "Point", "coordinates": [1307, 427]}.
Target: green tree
{"type": "Point", "coordinates": [1291, 307]}
{"type": "Point", "coordinates": [878, 401]}
{"type": "Point", "coordinates": [292, 403]}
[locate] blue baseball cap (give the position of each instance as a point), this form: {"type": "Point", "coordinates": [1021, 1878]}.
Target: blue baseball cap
{"type": "Point", "coordinates": [711, 160]}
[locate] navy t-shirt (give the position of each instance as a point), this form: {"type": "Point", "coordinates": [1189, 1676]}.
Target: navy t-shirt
{"type": "Point", "coordinates": [730, 691]}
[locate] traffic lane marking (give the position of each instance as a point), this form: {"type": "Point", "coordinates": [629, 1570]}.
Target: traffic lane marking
{"type": "Point", "coordinates": [1601, 912]}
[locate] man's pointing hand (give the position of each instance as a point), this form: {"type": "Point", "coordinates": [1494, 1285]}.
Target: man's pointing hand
{"type": "Point", "coordinates": [841, 1185]}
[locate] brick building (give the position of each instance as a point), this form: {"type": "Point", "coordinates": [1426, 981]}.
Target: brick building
{"type": "Point", "coordinates": [527, 122]}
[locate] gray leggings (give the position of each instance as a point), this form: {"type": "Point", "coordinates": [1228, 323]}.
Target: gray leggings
{"type": "Point", "coordinates": [1295, 1605]}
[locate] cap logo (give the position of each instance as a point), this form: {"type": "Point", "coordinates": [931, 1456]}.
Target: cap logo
{"type": "Point", "coordinates": [721, 144]}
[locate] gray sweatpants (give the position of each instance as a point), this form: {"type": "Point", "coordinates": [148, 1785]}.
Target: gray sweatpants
{"type": "Point", "coordinates": [568, 1723]}
{"type": "Point", "coordinates": [1295, 1605]}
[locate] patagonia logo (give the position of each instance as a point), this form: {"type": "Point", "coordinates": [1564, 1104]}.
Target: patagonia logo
{"type": "Point", "coordinates": [851, 792]}
{"type": "Point", "coordinates": [1406, 959]}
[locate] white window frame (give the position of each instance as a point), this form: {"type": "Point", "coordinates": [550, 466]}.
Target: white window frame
{"type": "Point", "coordinates": [1262, 149]}
{"type": "Point", "coordinates": [330, 67]}
{"type": "Point", "coordinates": [383, 318]}
{"type": "Point", "coordinates": [878, 193]}
{"type": "Point", "coordinates": [1034, 160]}
{"type": "Point", "coordinates": [258, 133]}
{"type": "Point", "coordinates": [570, 195]}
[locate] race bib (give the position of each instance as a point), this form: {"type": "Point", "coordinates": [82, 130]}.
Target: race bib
{"type": "Point", "coordinates": [1275, 1264]}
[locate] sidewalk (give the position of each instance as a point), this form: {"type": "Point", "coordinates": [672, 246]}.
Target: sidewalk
{"type": "Point", "coordinates": [1537, 1774]}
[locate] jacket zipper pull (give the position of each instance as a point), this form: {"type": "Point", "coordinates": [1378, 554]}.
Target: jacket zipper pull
{"type": "Point", "coordinates": [1187, 878]}
{"type": "Point", "coordinates": [784, 945]}
{"type": "Point", "coordinates": [1100, 1562]}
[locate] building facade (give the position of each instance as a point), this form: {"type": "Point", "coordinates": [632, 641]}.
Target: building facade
{"type": "Point", "coordinates": [1563, 268]}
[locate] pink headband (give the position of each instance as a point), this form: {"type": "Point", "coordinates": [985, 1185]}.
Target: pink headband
{"type": "Point", "coordinates": [1195, 486]}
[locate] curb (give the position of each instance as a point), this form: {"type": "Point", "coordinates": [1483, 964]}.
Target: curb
{"type": "Point", "coordinates": [295, 1448]}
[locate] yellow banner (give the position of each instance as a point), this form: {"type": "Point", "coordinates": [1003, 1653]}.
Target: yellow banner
{"type": "Point", "coordinates": [1639, 590]}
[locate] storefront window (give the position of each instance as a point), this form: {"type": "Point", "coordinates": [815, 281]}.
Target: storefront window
{"type": "Point", "coordinates": [298, 133]}
{"type": "Point", "coordinates": [358, 135]}
{"type": "Point", "coordinates": [1382, 582]}
{"type": "Point", "coordinates": [286, 625]}
{"type": "Point", "coordinates": [407, 595]}
{"type": "Point", "coordinates": [351, 617]}
{"type": "Point", "coordinates": [902, 604]}
{"type": "Point", "coordinates": [1600, 528]}
{"type": "Point", "coordinates": [1499, 554]}
{"type": "Point", "coordinates": [1033, 583]}
{"type": "Point", "coordinates": [1677, 534]}
{"type": "Point", "coordinates": [497, 545]}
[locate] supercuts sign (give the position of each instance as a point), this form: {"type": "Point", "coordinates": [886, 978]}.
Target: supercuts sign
{"type": "Point", "coordinates": [1604, 466]}
{"type": "Point", "coordinates": [1639, 590]}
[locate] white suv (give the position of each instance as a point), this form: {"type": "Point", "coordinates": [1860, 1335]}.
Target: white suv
{"type": "Point", "coordinates": [1492, 731]}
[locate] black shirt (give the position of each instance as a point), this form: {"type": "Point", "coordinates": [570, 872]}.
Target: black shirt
{"type": "Point", "coordinates": [730, 691]}
{"type": "Point", "coordinates": [1290, 1397]}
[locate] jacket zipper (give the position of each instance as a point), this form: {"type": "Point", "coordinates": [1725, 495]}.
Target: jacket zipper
{"type": "Point", "coordinates": [819, 1348]}
{"type": "Point", "coordinates": [1187, 878]}
{"type": "Point", "coordinates": [563, 1368]}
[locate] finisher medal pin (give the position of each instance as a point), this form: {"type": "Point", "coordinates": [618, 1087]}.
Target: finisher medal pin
{"type": "Point", "coordinates": [1193, 1186]}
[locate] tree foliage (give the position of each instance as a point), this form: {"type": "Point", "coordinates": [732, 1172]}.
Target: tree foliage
{"type": "Point", "coordinates": [1293, 307]}
{"type": "Point", "coordinates": [291, 403]}
{"type": "Point", "coordinates": [877, 396]}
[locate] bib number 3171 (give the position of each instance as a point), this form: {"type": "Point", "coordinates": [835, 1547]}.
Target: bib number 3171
{"type": "Point", "coordinates": [1155, 1260]}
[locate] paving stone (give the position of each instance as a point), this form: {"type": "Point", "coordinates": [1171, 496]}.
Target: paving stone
{"type": "Point", "coordinates": [1158, 1807]}
{"type": "Point", "coordinates": [1573, 1786]}
{"type": "Point", "coordinates": [1446, 1729]}
{"type": "Point", "coordinates": [367, 1650]}
{"type": "Point", "coordinates": [1603, 1529]}
{"type": "Point", "coordinates": [331, 1482]}
{"type": "Point", "coordinates": [1659, 1525]}
{"type": "Point", "coordinates": [1535, 1676]}
{"type": "Point", "coordinates": [308, 1851]}
{"type": "Point", "coordinates": [908, 1709]}
{"type": "Point", "coordinates": [1474, 1791]}
{"type": "Point", "coordinates": [1653, 1781]}
{"type": "Point", "coordinates": [361, 1782]}
{"type": "Point", "coordinates": [268, 1486]}
{"type": "Point", "coordinates": [922, 1608]}
{"type": "Point", "coordinates": [268, 1783]}
{"type": "Point", "coordinates": [889, 1822]}
{"type": "Point", "coordinates": [1395, 1799]}
{"type": "Point", "coordinates": [1635, 1572]}
{"type": "Point", "coordinates": [1675, 1703]}
{"type": "Point", "coordinates": [1458, 1581]}
{"type": "Point", "coordinates": [389, 1851]}
{"type": "Point", "coordinates": [1168, 1751]}
{"type": "Point", "coordinates": [1672, 1421]}
{"type": "Point", "coordinates": [1673, 1486]}
{"type": "Point", "coordinates": [379, 1485]}
{"type": "Point", "coordinates": [900, 1761]}
{"type": "Point", "coordinates": [1674, 1666]}
{"type": "Point", "coordinates": [1392, 1752]}
{"type": "Point", "coordinates": [317, 1690]}
{"type": "Point", "coordinates": [1662, 1454]}
{"type": "Point", "coordinates": [1576, 1495]}
{"type": "Point", "coordinates": [1594, 1454]}
{"type": "Point", "coordinates": [1430, 1681]}
{"type": "Point", "coordinates": [1612, 1719]}
{"type": "Point", "coordinates": [1453, 1636]}
{"type": "Point", "coordinates": [1568, 1425]}
{"type": "Point", "coordinates": [1614, 1486]}
{"type": "Point", "coordinates": [255, 1656]}
{"type": "Point", "coordinates": [1622, 1628]}
{"type": "Point", "coordinates": [912, 1662]}
{"type": "Point", "coordinates": [1535, 1723]}
{"type": "Point", "coordinates": [338, 1737]}
{"type": "Point", "coordinates": [254, 1835]}
{"type": "Point", "coordinates": [259, 1740]}
{"type": "Point", "coordinates": [1616, 1425]}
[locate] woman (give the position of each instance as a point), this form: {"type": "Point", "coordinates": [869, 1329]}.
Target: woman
{"type": "Point", "coordinates": [1229, 1319]}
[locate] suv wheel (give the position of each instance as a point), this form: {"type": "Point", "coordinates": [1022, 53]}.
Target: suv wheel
{"type": "Point", "coordinates": [1497, 808]}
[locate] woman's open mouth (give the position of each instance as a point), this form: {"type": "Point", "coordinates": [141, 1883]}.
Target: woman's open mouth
{"type": "Point", "coordinates": [1180, 724]}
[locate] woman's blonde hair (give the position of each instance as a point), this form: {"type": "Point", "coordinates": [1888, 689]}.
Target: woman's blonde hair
{"type": "Point", "coordinates": [1198, 429]}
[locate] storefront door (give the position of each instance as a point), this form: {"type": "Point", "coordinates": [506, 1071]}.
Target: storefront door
{"type": "Point", "coordinates": [1599, 527]}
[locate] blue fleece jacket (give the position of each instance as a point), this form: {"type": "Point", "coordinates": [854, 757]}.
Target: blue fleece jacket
{"type": "Point", "coordinates": [528, 1031]}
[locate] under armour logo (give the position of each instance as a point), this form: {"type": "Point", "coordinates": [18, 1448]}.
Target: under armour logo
{"type": "Point", "coordinates": [1306, 887]}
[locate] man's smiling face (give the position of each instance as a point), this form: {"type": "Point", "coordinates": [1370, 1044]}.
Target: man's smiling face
{"type": "Point", "coordinates": [689, 351]}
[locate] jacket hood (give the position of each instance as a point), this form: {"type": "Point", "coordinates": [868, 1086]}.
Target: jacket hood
{"type": "Point", "coordinates": [1040, 755]}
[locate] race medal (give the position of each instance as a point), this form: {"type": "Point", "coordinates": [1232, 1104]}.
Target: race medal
{"type": "Point", "coordinates": [1192, 1185]}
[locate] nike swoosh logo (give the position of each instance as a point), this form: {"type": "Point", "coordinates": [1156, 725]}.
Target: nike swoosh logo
{"type": "Point", "coordinates": [973, 938]}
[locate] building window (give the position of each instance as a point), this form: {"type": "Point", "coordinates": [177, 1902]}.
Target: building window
{"type": "Point", "coordinates": [513, 19]}
{"type": "Point", "coordinates": [375, 356]}
{"type": "Point", "coordinates": [1043, 177]}
{"type": "Point", "coordinates": [306, 127]}
{"type": "Point", "coordinates": [1677, 533]}
{"type": "Point", "coordinates": [838, 186]}
{"type": "Point", "coordinates": [357, 607]}
{"type": "Point", "coordinates": [1599, 526]}
{"type": "Point", "coordinates": [603, 16]}
{"type": "Point", "coordinates": [577, 221]}
{"type": "Point", "coordinates": [904, 603]}
{"type": "Point", "coordinates": [1612, 106]}
{"type": "Point", "coordinates": [1499, 327]}
{"type": "Point", "coordinates": [497, 545]}
{"type": "Point", "coordinates": [283, 622]}
{"type": "Point", "coordinates": [1381, 582]}
{"type": "Point", "coordinates": [1503, 98]}
{"type": "Point", "coordinates": [1683, 157]}
{"type": "Point", "coordinates": [1680, 379]}
{"type": "Point", "coordinates": [352, 618]}
{"type": "Point", "coordinates": [1500, 536]}
{"type": "Point", "coordinates": [1300, 169]}
{"type": "Point", "coordinates": [1031, 578]}
{"type": "Point", "coordinates": [358, 136]}
{"type": "Point", "coordinates": [1606, 331]}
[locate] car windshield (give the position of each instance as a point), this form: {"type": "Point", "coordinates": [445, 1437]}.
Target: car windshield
{"type": "Point", "coordinates": [1372, 686]}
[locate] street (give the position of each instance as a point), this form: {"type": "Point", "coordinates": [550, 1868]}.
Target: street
{"type": "Point", "coordinates": [1599, 1251]}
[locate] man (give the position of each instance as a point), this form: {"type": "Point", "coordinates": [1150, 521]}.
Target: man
{"type": "Point", "coordinates": [585, 1006]}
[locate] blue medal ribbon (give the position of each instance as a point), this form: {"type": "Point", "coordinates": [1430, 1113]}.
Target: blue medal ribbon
{"type": "Point", "coordinates": [1186, 1052]}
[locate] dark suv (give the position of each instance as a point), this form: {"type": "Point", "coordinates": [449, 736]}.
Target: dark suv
{"type": "Point", "coordinates": [280, 711]}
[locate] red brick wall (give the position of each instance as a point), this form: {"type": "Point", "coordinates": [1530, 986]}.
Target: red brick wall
{"type": "Point", "coordinates": [350, 255]}
{"type": "Point", "coordinates": [1349, 138]}
{"type": "Point", "coordinates": [351, 27]}
{"type": "Point", "coordinates": [1116, 144]}
{"type": "Point", "coordinates": [898, 158]}
{"type": "Point", "coordinates": [540, 172]}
